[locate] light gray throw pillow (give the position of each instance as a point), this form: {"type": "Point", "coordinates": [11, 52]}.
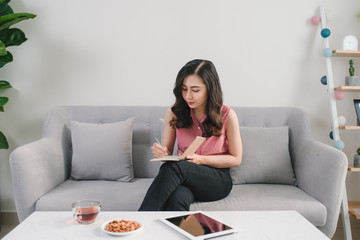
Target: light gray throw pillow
{"type": "Point", "coordinates": [266, 157]}
{"type": "Point", "coordinates": [102, 151]}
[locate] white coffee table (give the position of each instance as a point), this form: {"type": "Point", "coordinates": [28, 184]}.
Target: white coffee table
{"type": "Point", "coordinates": [257, 225]}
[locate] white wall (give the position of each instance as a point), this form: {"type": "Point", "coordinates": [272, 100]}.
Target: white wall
{"type": "Point", "coordinates": [128, 52]}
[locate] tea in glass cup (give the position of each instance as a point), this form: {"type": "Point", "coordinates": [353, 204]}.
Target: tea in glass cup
{"type": "Point", "coordinates": [85, 211]}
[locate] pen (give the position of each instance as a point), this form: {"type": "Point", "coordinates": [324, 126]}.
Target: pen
{"type": "Point", "coordinates": [160, 145]}
{"type": "Point", "coordinates": [158, 141]}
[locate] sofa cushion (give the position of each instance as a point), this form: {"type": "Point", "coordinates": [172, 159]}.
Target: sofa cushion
{"type": "Point", "coordinates": [122, 196]}
{"type": "Point", "coordinates": [102, 151]}
{"type": "Point", "coordinates": [266, 157]}
{"type": "Point", "coordinates": [114, 196]}
{"type": "Point", "coordinates": [258, 197]}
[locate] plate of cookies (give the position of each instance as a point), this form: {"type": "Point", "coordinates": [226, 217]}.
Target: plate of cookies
{"type": "Point", "coordinates": [121, 227]}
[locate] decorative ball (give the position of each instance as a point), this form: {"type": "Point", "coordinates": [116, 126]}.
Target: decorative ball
{"type": "Point", "coordinates": [341, 120]}
{"type": "Point", "coordinates": [327, 52]}
{"type": "Point", "coordinates": [325, 32]}
{"type": "Point", "coordinates": [331, 135]}
{"type": "Point", "coordinates": [324, 80]}
{"type": "Point", "coordinates": [339, 95]}
{"type": "Point", "coordinates": [339, 144]}
{"type": "Point", "coordinates": [315, 20]}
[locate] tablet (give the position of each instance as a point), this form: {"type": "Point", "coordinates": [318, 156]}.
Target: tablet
{"type": "Point", "coordinates": [197, 225]}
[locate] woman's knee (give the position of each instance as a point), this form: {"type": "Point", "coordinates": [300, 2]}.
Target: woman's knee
{"type": "Point", "coordinates": [180, 199]}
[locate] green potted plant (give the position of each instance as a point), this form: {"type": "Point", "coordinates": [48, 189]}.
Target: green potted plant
{"type": "Point", "coordinates": [357, 158]}
{"type": "Point", "coordinates": [9, 37]}
{"type": "Point", "coordinates": [351, 80]}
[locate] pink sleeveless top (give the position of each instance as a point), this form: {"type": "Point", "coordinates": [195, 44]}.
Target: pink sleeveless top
{"type": "Point", "coordinates": [212, 145]}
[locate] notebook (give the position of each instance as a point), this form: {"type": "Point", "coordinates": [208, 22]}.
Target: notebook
{"type": "Point", "coordinates": [189, 151]}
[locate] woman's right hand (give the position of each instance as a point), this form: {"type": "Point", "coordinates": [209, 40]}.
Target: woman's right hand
{"type": "Point", "coordinates": [159, 151]}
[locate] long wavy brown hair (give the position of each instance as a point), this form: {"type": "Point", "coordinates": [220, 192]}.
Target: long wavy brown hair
{"type": "Point", "coordinates": [206, 71]}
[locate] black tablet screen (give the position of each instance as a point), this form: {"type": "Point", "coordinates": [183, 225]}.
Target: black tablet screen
{"type": "Point", "coordinates": [198, 224]}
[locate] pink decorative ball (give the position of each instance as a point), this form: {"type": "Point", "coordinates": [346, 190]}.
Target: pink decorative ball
{"type": "Point", "coordinates": [339, 95]}
{"type": "Point", "coordinates": [315, 20]}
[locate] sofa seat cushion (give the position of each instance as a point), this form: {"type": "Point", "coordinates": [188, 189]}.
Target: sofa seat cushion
{"type": "Point", "coordinates": [256, 197]}
{"type": "Point", "coordinates": [114, 195]}
{"type": "Point", "coordinates": [123, 196]}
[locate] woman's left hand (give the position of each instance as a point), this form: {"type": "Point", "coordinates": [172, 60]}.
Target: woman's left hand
{"type": "Point", "coordinates": [194, 159]}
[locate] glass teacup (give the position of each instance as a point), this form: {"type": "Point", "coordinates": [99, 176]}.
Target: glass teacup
{"type": "Point", "coordinates": [85, 211]}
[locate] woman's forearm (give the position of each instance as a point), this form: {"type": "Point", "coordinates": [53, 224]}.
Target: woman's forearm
{"type": "Point", "coordinates": [217, 161]}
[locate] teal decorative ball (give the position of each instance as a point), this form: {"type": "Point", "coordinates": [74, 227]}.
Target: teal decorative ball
{"type": "Point", "coordinates": [324, 80]}
{"type": "Point", "coordinates": [325, 32]}
{"type": "Point", "coordinates": [331, 135]}
{"type": "Point", "coordinates": [339, 144]}
{"type": "Point", "coordinates": [327, 52]}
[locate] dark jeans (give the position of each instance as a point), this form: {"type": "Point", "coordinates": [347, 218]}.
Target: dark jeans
{"type": "Point", "coordinates": [178, 184]}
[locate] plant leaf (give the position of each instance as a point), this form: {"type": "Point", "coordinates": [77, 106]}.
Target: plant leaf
{"type": "Point", "coordinates": [11, 19]}
{"type": "Point", "coordinates": [5, 9]}
{"type": "Point", "coordinates": [4, 84]}
{"type": "Point", "coordinates": [4, 1]}
{"type": "Point", "coordinates": [3, 51]}
{"type": "Point", "coordinates": [12, 37]}
{"type": "Point", "coordinates": [5, 59]}
{"type": "Point", "coordinates": [3, 142]}
{"type": "Point", "coordinates": [3, 100]}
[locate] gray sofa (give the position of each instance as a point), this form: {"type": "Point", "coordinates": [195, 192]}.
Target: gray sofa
{"type": "Point", "coordinates": [283, 168]}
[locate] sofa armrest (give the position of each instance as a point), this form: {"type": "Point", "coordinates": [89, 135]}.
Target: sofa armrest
{"type": "Point", "coordinates": [36, 168]}
{"type": "Point", "coordinates": [321, 172]}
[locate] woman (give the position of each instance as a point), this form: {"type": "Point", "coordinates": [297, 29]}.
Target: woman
{"type": "Point", "coordinates": [198, 111]}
